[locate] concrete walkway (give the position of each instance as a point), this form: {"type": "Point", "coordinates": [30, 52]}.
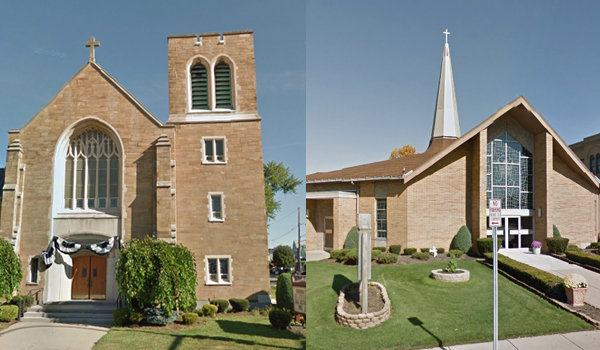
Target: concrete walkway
{"type": "Point", "coordinates": [559, 268]}
{"type": "Point", "coordinates": [50, 336]}
{"type": "Point", "coordinates": [316, 255]}
{"type": "Point", "coordinates": [588, 340]}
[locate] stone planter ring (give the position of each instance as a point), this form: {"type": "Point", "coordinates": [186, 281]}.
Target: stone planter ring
{"type": "Point", "coordinates": [459, 276]}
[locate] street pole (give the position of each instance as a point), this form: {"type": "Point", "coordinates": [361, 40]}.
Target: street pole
{"type": "Point", "coordinates": [299, 269]}
{"type": "Point", "coordinates": [495, 248]}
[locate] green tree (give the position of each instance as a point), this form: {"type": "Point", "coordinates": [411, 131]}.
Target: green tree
{"type": "Point", "coordinates": [462, 241]}
{"type": "Point", "coordinates": [11, 271]}
{"type": "Point", "coordinates": [404, 151]}
{"type": "Point", "coordinates": [283, 292]}
{"type": "Point", "coordinates": [283, 256]}
{"type": "Point", "coordinates": [555, 232]}
{"type": "Point", "coordinates": [278, 178]}
{"type": "Point", "coordinates": [351, 239]}
{"type": "Point", "coordinates": [153, 273]}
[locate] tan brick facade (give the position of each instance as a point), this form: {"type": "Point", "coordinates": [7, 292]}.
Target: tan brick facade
{"type": "Point", "coordinates": [163, 185]}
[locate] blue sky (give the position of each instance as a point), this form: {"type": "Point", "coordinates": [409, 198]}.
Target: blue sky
{"type": "Point", "coordinates": [43, 47]}
{"type": "Point", "coordinates": [373, 70]}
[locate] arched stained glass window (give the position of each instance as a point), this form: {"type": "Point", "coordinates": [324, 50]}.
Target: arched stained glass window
{"type": "Point", "coordinates": [592, 163]}
{"type": "Point", "coordinates": [223, 86]}
{"type": "Point", "coordinates": [91, 171]}
{"type": "Point", "coordinates": [199, 85]}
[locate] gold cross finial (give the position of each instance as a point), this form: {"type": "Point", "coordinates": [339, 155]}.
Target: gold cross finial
{"type": "Point", "coordinates": [92, 45]}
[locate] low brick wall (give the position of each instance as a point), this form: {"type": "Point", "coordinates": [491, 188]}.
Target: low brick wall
{"type": "Point", "coordinates": [363, 321]}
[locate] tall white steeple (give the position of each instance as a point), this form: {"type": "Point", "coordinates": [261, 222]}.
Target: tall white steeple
{"type": "Point", "coordinates": [445, 121]}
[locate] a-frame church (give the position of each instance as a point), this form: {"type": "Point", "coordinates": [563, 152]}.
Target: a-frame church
{"type": "Point", "coordinates": [422, 200]}
{"type": "Point", "coordinates": [94, 168]}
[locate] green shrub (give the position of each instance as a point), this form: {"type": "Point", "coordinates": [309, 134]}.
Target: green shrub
{"type": "Point", "coordinates": [557, 245]}
{"type": "Point", "coordinates": [455, 252]}
{"type": "Point", "coordinates": [441, 250]}
{"type": "Point", "coordinates": [543, 281]}
{"type": "Point", "coordinates": [283, 292]}
{"type": "Point", "coordinates": [583, 257]}
{"type": "Point", "coordinates": [352, 257]}
{"type": "Point", "coordinates": [190, 317]}
{"type": "Point", "coordinates": [154, 273]}
{"type": "Point", "coordinates": [283, 256]}
{"type": "Point", "coordinates": [381, 249]}
{"type": "Point", "coordinates": [280, 319]}
{"type": "Point", "coordinates": [387, 258]}
{"type": "Point", "coordinates": [595, 245]}
{"type": "Point", "coordinates": [121, 316]}
{"type": "Point", "coordinates": [573, 247]}
{"type": "Point", "coordinates": [410, 251]}
{"type": "Point", "coordinates": [396, 249]}
{"type": "Point", "coordinates": [452, 265]}
{"type": "Point", "coordinates": [462, 240]}
{"type": "Point", "coordinates": [338, 254]}
{"type": "Point", "coordinates": [136, 318]}
{"type": "Point", "coordinates": [8, 312]}
{"type": "Point", "coordinates": [485, 245]}
{"type": "Point", "coordinates": [375, 253]}
{"type": "Point", "coordinates": [11, 271]}
{"type": "Point", "coordinates": [238, 305]}
{"type": "Point", "coordinates": [221, 304]}
{"type": "Point", "coordinates": [425, 250]}
{"type": "Point", "coordinates": [420, 256]}
{"type": "Point", "coordinates": [555, 232]}
{"type": "Point", "coordinates": [28, 300]}
{"type": "Point", "coordinates": [351, 241]}
{"type": "Point", "coordinates": [158, 316]}
{"type": "Point", "coordinates": [209, 310]}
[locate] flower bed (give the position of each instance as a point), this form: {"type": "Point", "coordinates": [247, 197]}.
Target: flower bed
{"type": "Point", "coordinates": [363, 321]}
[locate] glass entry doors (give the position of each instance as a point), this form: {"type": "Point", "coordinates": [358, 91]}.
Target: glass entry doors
{"type": "Point", "coordinates": [516, 232]}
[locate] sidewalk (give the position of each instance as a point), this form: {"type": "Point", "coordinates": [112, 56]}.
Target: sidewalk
{"type": "Point", "coordinates": [50, 336]}
{"type": "Point", "coordinates": [316, 255]}
{"type": "Point", "coordinates": [588, 340]}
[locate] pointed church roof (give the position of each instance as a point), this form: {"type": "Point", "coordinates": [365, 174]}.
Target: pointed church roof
{"type": "Point", "coordinates": [445, 120]}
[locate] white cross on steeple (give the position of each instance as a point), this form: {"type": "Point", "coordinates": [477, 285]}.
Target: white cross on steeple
{"type": "Point", "coordinates": [446, 32]}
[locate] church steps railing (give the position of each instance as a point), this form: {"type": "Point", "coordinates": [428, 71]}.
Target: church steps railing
{"type": "Point", "coordinates": [36, 294]}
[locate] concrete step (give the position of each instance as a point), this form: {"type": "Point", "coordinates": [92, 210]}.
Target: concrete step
{"type": "Point", "coordinates": [94, 313]}
{"type": "Point", "coordinates": [73, 308]}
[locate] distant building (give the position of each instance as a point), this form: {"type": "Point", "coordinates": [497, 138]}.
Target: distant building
{"type": "Point", "coordinates": [588, 151]}
{"type": "Point", "coordinates": [422, 200]}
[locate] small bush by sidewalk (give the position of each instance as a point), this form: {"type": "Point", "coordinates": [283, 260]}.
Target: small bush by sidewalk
{"type": "Point", "coordinates": [583, 257]}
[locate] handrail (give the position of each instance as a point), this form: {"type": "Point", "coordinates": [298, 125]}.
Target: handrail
{"type": "Point", "coordinates": [22, 304]}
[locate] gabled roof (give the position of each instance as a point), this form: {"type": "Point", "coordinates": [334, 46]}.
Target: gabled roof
{"type": "Point", "coordinates": [408, 168]}
{"type": "Point", "coordinates": [111, 81]}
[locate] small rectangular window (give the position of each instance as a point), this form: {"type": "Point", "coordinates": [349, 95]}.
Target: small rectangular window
{"type": "Point", "coordinates": [216, 207]}
{"type": "Point", "coordinates": [218, 269]}
{"type": "Point", "coordinates": [33, 270]}
{"type": "Point", "coordinates": [381, 218]}
{"type": "Point", "coordinates": [214, 150]}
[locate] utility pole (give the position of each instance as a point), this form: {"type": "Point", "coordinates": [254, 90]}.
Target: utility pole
{"type": "Point", "coordinates": [299, 269]}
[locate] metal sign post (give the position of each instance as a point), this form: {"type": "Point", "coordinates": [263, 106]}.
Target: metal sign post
{"type": "Point", "coordinates": [495, 222]}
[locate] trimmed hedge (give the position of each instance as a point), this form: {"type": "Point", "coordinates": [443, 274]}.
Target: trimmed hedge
{"type": "Point", "coordinates": [339, 254]}
{"type": "Point", "coordinates": [352, 257]}
{"type": "Point", "coordinates": [280, 319]}
{"type": "Point", "coordinates": [381, 249]}
{"type": "Point", "coordinates": [395, 248]}
{"type": "Point", "coordinates": [420, 256]}
{"type": "Point", "coordinates": [375, 253]}
{"type": "Point", "coordinates": [543, 281]}
{"type": "Point", "coordinates": [441, 250]}
{"type": "Point", "coordinates": [595, 245]}
{"type": "Point", "coordinates": [485, 245]}
{"type": "Point", "coordinates": [409, 251]}
{"type": "Point", "coordinates": [557, 245]}
{"type": "Point", "coordinates": [387, 258]}
{"type": "Point", "coordinates": [457, 253]}
{"type": "Point", "coordinates": [351, 241]}
{"type": "Point", "coordinates": [221, 304]}
{"type": "Point", "coordinates": [584, 258]}
{"type": "Point", "coordinates": [120, 316]}
{"type": "Point", "coordinates": [210, 310]}
{"type": "Point", "coordinates": [190, 318]}
{"type": "Point", "coordinates": [555, 232]}
{"type": "Point", "coordinates": [462, 240]}
{"type": "Point", "coordinates": [283, 293]}
{"type": "Point", "coordinates": [239, 305]}
{"type": "Point", "coordinates": [8, 312]}
{"type": "Point", "coordinates": [425, 250]}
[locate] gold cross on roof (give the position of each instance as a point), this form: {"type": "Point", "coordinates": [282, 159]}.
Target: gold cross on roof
{"type": "Point", "coordinates": [92, 45]}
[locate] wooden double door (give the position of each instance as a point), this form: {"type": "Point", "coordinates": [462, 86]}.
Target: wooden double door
{"type": "Point", "coordinates": [89, 278]}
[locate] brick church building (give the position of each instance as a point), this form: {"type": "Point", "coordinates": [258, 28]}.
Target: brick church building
{"type": "Point", "coordinates": [94, 168]}
{"type": "Point", "coordinates": [422, 200]}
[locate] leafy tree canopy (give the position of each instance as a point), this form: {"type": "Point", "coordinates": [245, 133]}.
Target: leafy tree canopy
{"type": "Point", "coordinates": [283, 256]}
{"type": "Point", "coordinates": [278, 178]}
{"type": "Point", "coordinates": [404, 151]}
{"type": "Point", "coordinates": [11, 271]}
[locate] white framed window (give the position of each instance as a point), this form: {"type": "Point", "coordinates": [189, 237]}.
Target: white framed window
{"type": "Point", "coordinates": [218, 270]}
{"type": "Point", "coordinates": [216, 206]}
{"type": "Point", "coordinates": [33, 277]}
{"type": "Point", "coordinates": [214, 150]}
{"type": "Point", "coordinates": [91, 172]}
{"type": "Point", "coordinates": [381, 218]}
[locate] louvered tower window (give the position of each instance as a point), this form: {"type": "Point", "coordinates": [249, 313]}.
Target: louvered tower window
{"type": "Point", "coordinates": [223, 86]}
{"type": "Point", "coordinates": [199, 86]}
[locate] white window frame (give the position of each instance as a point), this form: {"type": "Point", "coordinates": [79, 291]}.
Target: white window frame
{"type": "Point", "coordinates": [210, 209]}
{"type": "Point", "coordinates": [213, 139]}
{"type": "Point", "coordinates": [220, 282]}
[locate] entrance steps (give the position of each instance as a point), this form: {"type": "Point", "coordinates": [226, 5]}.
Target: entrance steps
{"type": "Point", "coordinates": [88, 312]}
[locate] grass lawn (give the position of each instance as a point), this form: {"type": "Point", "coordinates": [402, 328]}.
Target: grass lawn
{"type": "Point", "coordinates": [428, 313]}
{"type": "Point", "coordinates": [223, 332]}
